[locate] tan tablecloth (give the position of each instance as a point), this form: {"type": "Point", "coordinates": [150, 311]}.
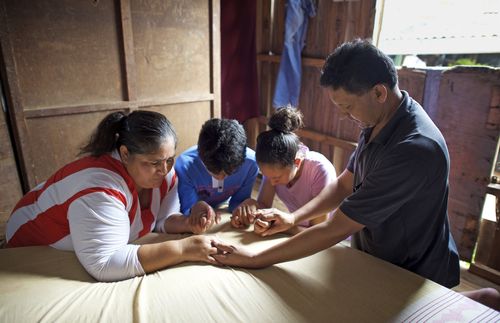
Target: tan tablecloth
{"type": "Point", "coordinates": [336, 285]}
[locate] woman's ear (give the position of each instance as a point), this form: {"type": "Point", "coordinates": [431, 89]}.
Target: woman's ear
{"type": "Point", "coordinates": [297, 162]}
{"type": "Point", "coordinates": [380, 92]}
{"type": "Point", "coordinates": [124, 154]}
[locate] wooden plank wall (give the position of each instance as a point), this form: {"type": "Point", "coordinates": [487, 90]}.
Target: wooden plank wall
{"type": "Point", "coordinates": [335, 22]}
{"type": "Point", "coordinates": [66, 66]}
{"type": "Point", "coordinates": [10, 185]}
{"type": "Point", "coordinates": [464, 108]}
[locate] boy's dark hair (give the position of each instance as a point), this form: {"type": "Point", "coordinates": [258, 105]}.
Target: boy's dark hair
{"type": "Point", "coordinates": [222, 145]}
{"type": "Point", "coordinates": [142, 132]}
{"type": "Point", "coordinates": [358, 66]}
{"type": "Point", "coordinates": [280, 144]}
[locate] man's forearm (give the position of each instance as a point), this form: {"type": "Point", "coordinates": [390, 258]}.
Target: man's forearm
{"type": "Point", "coordinates": [327, 200]}
{"type": "Point", "coordinates": [303, 244]}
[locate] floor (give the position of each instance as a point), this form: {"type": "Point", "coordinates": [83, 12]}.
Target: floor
{"type": "Point", "coordinates": [468, 281]}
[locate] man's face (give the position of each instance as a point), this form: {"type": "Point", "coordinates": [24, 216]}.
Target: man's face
{"type": "Point", "coordinates": [362, 109]}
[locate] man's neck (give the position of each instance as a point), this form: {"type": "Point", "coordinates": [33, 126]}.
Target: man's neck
{"type": "Point", "coordinates": [394, 99]}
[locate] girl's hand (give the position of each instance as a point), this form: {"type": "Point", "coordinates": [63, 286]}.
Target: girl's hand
{"type": "Point", "coordinates": [260, 226]}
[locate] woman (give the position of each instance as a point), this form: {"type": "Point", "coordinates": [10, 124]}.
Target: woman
{"type": "Point", "coordinates": [124, 189]}
{"type": "Point", "coordinates": [292, 172]}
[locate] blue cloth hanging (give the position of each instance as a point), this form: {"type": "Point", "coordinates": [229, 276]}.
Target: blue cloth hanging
{"type": "Point", "coordinates": [287, 89]}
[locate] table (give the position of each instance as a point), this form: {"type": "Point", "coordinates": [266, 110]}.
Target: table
{"type": "Point", "coordinates": [339, 284]}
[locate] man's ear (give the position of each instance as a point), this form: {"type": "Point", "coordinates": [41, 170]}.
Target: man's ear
{"type": "Point", "coordinates": [124, 154]}
{"type": "Point", "coordinates": [297, 162]}
{"type": "Point", "coordinates": [380, 92]}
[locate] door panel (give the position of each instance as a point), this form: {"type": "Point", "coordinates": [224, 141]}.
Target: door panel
{"type": "Point", "coordinates": [66, 64]}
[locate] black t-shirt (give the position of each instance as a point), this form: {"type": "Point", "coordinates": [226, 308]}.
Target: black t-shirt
{"type": "Point", "coordinates": [400, 194]}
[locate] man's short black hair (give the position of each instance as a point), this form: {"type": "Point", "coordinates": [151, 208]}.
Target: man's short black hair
{"type": "Point", "coordinates": [358, 66]}
{"type": "Point", "coordinates": [222, 145]}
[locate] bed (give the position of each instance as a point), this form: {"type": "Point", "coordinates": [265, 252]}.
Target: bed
{"type": "Point", "coordinates": [339, 284]}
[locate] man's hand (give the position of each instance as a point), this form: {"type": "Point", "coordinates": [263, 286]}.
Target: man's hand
{"type": "Point", "coordinates": [244, 214]}
{"type": "Point", "coordinates": [202, 217]}
{"type": "Point", "coordinates": [277, 221]}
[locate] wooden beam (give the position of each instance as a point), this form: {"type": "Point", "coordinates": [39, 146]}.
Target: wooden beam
{"type": "Point", "coordinates": [128, 50]}
{"type": "Point", "coordinates": [320, 137]}
{"type": "Point", "coordinates": [14, 101]}
{"type": "Point", "coordinates": [123, 105]}
{"type": "Point", "coordinates": [215, 69]}
{"type": "Point", "coordinates": [306, 61]}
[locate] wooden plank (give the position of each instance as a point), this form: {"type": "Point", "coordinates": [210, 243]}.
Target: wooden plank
{"type": "Point", "coordinates": [215, 43]}
{"type": "Point", "coordinates": [412, 81]}
{"type": "Point", "coordinates": [306, 61]}
{"type": "Point", "coordinates": [10, 185]}
{"type": "Point", "coordinates": [186, 125]}
{"type": "Point", "coordinates": [66, 54]}
{"type": "Point", "coordinates": [70, 135]}
{"type": "Point", "coordinates": [485, 272]}
{"type": "Point", "coordinates": [320, 137]}
{"type": "Point", "coordinates": [128, 50]}
{"type": "Point", "coordinates": [172, 41]}
{"type": "Point", "coordinates": [462, 111]}
{"type": "Point", "coordinates": [124, 105]}
{"type": "Point", "coordinates": [14, 100]}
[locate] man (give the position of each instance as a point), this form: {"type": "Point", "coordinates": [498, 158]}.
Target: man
{"type": "Point", "coordinates": [392, 198]}
{"type": "Point", "coordinates": [219, 168]}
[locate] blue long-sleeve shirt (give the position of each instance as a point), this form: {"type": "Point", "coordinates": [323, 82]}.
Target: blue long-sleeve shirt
{"type": "Point", "coordinates": [195, 183]}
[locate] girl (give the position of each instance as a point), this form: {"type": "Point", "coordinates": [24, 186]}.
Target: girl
{"type": "Point", "coordinates": [290, 170]}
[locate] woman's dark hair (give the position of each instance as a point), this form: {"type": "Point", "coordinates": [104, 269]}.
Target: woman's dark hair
{"type": "Point", "coordinates": [222, 145]}
{"type": "Point", "coordinates": [280, 144]}
{"type": "Point", "coordinates": [358, 66]}
{"type": "Point", "coordinates": [142, 132]}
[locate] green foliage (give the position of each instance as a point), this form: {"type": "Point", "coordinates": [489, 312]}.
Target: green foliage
{"type": "Point", "coordinates": [465, 61]}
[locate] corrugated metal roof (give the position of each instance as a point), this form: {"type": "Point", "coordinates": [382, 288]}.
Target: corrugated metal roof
{"type": "Point", "coordinates": [440, 26]}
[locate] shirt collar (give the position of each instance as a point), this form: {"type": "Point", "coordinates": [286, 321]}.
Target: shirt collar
{"type": "Point", "coordinates": [387, 131]}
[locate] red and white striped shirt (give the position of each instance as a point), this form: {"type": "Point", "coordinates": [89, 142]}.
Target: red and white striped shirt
{"type": "Point", "coordinates": [91, 206]}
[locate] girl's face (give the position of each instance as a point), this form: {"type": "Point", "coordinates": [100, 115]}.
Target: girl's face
{"type": "Point", "coordinates": [278, 174]}
{"type": "Point", "coordinates": [149, 170]}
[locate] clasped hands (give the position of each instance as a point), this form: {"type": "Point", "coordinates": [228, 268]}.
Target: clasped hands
{"type": "Point", "coordinates": [266, 221]}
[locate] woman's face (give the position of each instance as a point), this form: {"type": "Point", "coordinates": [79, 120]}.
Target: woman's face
{"type": "Point", "coordinates": [149, 170]}
{"type": "Point", "coordinates": [278, 174]}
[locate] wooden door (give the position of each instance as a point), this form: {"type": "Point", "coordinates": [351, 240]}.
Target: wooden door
{"type": "Point", "coordinates": [66, 64]}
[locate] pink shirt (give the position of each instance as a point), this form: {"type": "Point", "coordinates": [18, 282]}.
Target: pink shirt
{"type": "Point", "coordinates": [317, 172]}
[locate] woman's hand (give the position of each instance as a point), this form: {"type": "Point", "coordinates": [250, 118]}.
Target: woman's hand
{"type": "Point", "coordinates": [202, 217]}
{"type": "Point", "coordinates": [199, 248]}
{"type": "Point", "coordinates": [244, 214]}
